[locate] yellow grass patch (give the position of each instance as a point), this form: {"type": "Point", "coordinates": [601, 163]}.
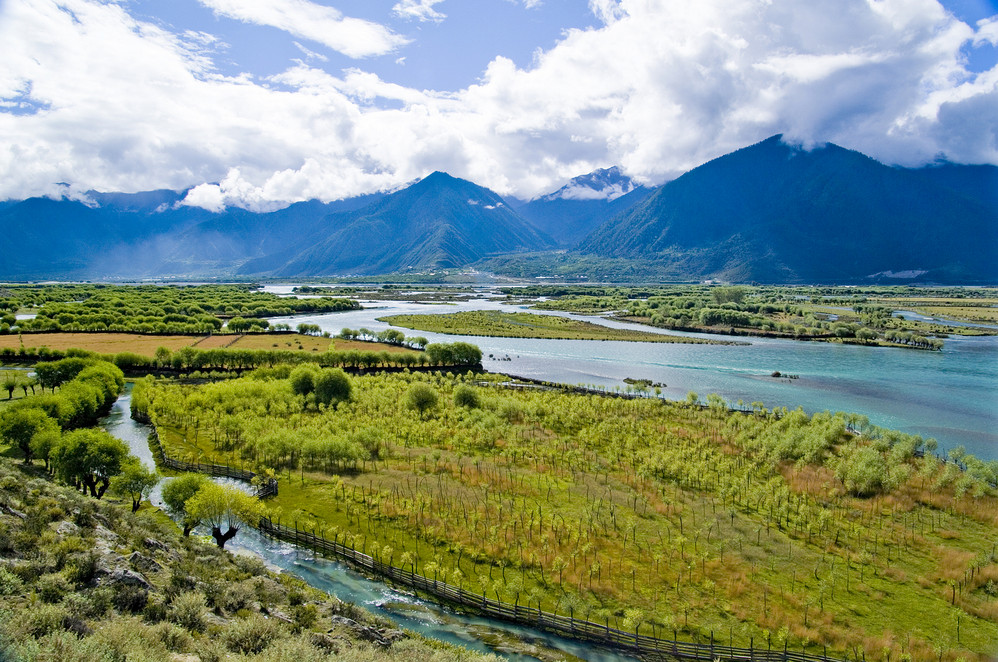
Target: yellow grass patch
{"type": "Point", "coordinates": [216, 341]}
{"type": "Point", "coordinates": [361, 346]}
{"type": "Point", "coordinates": [102, 343]}
{"type": "Point", "coordinates": [282, 341]}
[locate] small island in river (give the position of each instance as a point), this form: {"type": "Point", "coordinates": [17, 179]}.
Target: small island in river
{"type": "Point", "coordinates": [530, 325]}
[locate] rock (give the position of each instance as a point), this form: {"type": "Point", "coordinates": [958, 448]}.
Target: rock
{"type": "Point", "coordinates": [105, 539]}
{"type": "Point", "coordinates": [152, 543]}
{"type": "Point", "coordinates": [111, 570]}
{"type": "Point", "coordinates": [11, 511]}
{"type": "Point", "coordinates": [67, 529]}
{"type": "Point", "coordinates": [381, 636]}
{"type": "Point", "coordinates": [144, 563]}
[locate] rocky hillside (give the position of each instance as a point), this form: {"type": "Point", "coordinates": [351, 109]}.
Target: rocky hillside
{"type": "Point", "coordinates": [85, 580]}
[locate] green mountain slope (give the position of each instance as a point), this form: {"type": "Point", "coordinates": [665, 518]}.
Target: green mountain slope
{"type": "Point", "coordinates": [776, 213]}
{"type": "Point", "coordinates": [439, 222]}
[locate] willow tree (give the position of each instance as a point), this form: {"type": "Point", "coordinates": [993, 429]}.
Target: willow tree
{"type": "Point", "coordinates": [225, 509]}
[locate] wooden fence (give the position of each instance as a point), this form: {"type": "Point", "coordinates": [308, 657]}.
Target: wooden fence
{"type": "Point", "coordinates": [647, 647]}
{"type": "Point", "coordinates": [266, 489]}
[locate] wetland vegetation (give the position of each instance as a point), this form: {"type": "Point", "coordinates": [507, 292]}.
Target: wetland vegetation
{"type": "Point", "coordinates": [768, 526]}
{"type": "Point", "coordinates": [526, 325]}
{"type": "Point", "coordinates": [833, 314]}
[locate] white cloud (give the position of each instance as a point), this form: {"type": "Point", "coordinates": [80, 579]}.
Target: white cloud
{"type": "Point", "coordinates": [92, 96]}
{"type": "Point", "coordinates": [310, 54]}
{"type": "Point", "coordinates": [420, 10]}
{"type": "Point", "coordinates": [353, 37]}
{"type": "Point", "coordinates": [607, 11]}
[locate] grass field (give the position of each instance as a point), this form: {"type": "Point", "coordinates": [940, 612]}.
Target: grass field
{"type": "Point", "coordinates": [102, 343]}
{"type": "Point", "coordinates": [525, 325]}
{"type": "Point", "coordinates": [146, 345]}
{"type": "Point", "coordinates": [640, 513]}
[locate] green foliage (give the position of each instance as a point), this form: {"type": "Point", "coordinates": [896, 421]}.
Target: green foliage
{"type": "Point", "coordinates": [188, 610]}
{"type": "Point", "coordinates": [21, 425]}
{"type": "Point", "coordinates": [520, 325]}
{"type": "Point", "coordinates": [176, 493]}
{"type": "Point", "coordinates": [863, 470]}
{"type": "Point", "coordinates": [134, 482]}
{"type": "Point", "coordinates": [332, 386]}
{"type": "Point", "coordinates": [466, 396]}
{"type": "Point", "coordinates": [421, 397]}
{"type": "Point", "coordinates": [89, 458]}
{"type": "Point", "coordinates": [161, 308]}
{"type": "Point", "coordinates": [225, 509]}
{"type": "Point", "coordinates": [252, 635]}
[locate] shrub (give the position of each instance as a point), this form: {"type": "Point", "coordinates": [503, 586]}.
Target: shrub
{"type": "Point", "coordinates": [251, 635]}
{"type": "Point", "coordinates": [130, 599]}
{"type": "Point", "coordinates": [10, 584]}
{"type": "Point", "coordinates": [188, 611]}
{"type": "Point", "coordinates": [176, 639]}
{"type": "Point", "coordinates": [41, 620]}
{"type": "Point", "coordinates": [421, 397]}
{"type": "Point", "coordinates": [52, 587]}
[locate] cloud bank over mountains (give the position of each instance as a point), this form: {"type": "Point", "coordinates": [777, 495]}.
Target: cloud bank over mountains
{"type": "Point", "coordinates": [96, 97]}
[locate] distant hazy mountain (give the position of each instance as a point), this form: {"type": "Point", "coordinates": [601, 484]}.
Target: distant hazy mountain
{"type": "Point", "coordinates": [438, 222]}
{"type": "Point", "coordinates": [777, 213]}
{"type": "Point", "coordinates": [146, 235]}
{"type": "Point", "coordinates": [569, 214]}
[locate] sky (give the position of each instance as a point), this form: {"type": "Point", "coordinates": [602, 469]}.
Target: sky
{"type": "Point", "coordinates": [260, 103]}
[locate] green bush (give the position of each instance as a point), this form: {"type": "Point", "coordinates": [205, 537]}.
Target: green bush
{"type": "Point", "coordinates": [41, 620]}
{"type": "Point", "coordinates": [175, 638]}
{"type": "Point", "coordinates": [52, 587]}
{"type": "Point", "coordinates": [10, 584]}
{"type": "Point", "coordinates": [188, 611]}
{"type": "Point", "coordinates": [130, 599]}
{"type": "Point", "coordinates": [252, 634]}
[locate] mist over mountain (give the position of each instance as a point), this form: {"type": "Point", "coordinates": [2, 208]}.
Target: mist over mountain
{"type": "Point", "coordinates": [774, 212]}
{"type": "Point", "coordinates": [569, 214]}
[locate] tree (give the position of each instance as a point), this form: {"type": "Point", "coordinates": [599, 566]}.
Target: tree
{"type": "Point", "coordinates": [225, 509]}
{"type": "Point", "coordinates": [303, 379]}
{"type": "Point", "coordinates": [19, 425]}
{"type": "Point", "coordinates": [177, 492]}
{"type": "Point", "coordinates": [732, 294]}
{"type": "Point", "coordinates": [89, 458]}
{"type": "Point", "coordinates": [466, 396]}
{"type": "Point", "coordinates": [42, 443]}
{"type": "Point", "coordinates": [332, 386]}
{"type": "Point", "coordinates": [134, 481]}
{"type": "Point", "coordinates": [9, 384]}
{"type": "Point", "coordinates": [421, 398]}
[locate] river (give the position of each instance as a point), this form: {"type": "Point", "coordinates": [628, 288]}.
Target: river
{"type": "Point", "coordinates": [950, 395]}
{"type": "Point", "coordinates": [511, 642]}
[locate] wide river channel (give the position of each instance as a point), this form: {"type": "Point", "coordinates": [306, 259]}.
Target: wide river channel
{"type": "Point", "coordinates": [950, 395]}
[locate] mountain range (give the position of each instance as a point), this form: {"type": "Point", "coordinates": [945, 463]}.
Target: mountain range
{"type": "Point", "coordinates": [770, 212]}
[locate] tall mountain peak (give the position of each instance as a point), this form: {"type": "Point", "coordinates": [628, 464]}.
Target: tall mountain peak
{"type": "Point", "coordinates": [603, 184]}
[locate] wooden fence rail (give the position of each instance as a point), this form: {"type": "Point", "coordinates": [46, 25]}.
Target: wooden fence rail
{"type": "Point", "coordinates": [267, 488]}
{"type": "Point", "coordinates": [648, 647]}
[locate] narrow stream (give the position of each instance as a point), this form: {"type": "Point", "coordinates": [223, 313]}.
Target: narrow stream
{"type": "Point", "coordinates": [426, 618]}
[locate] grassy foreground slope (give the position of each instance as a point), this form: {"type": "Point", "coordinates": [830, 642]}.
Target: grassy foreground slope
{"type": "Point", "coordinates": [767, 527]}
{"type": "Point", "coordinates": [85, 580]}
